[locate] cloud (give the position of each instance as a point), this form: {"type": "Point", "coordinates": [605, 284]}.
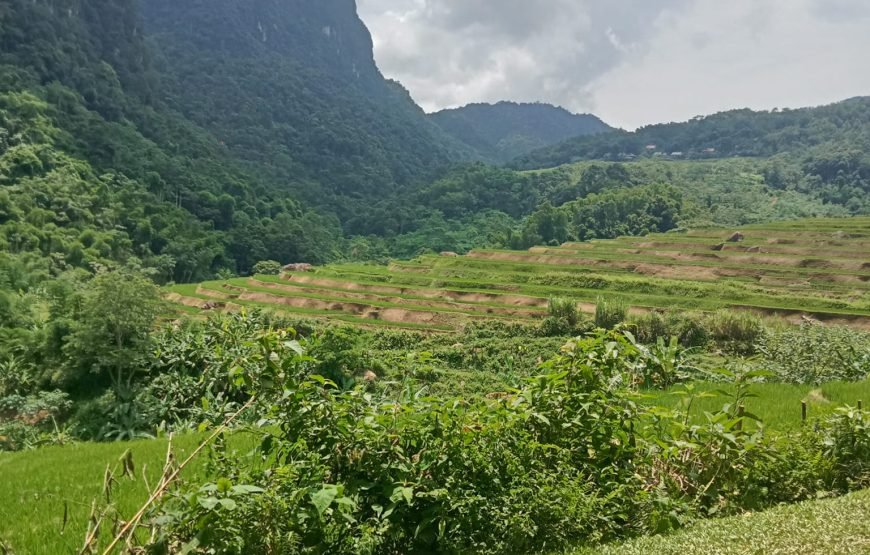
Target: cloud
{"type": "Point", "coordinates": [630, 61]}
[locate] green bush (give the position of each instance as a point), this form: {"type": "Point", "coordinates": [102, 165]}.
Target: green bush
{"type": "Point", "coordinates": [610, 313]}
{"type": "Point", "coordinates": [568, 458]}
{"type": "Point", "coordinates": [815, 354]}
{"type": "Point", "coordinates": [352, 474]}
{"type": "Point", "coordinates": [735, 331]}
{"type": "Point", "coordinates": [31, 421]}
{"type": "Point", "coordinates": [688, 328]}
{"type": "Point", "coordinates": [267, 268]}
{"type": "Point", "coordinates": [563, 318]}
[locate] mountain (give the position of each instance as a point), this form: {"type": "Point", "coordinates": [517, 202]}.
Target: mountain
{"type": "Point", "coordinates": [198, 138]}
{"type": "Point", "coordinates": [843, 125]}
{"type": "Point", "coordinates": [503, 131]}
{"type": "Point", "coordinates": [292, 87]}
{"type": "Point", "coordinates": [195, 136]}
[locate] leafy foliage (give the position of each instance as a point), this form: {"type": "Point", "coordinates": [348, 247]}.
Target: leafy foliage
{"type": "Point", "coordinates": [814, 354]}
{"type": "Point", "coordinates": [610, 313]}
{"type": "Point", "coordinates": [567, 458]}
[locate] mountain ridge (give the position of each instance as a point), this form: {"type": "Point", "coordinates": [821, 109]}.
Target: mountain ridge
{"type": "Point", "coordinates": [505, 130]}
{"type": "Point", "coordinates": [739, 132]}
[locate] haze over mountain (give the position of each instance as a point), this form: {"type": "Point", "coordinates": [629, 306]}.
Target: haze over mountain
{"type": "Point", "coordinates": [506, 130]}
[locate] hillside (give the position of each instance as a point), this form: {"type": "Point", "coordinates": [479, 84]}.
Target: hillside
{"type": "Point", "coordinates": [292, 89]}
{"type": "Point", "coordinates": [506, 130]}
{"type": "Point", "coordinates": [811, 268]}
{"type": "Point", "coordinates": [204, 140]}
{"type": "Point", "coordinates": [732, 133]}
{"type": "Point", "coordinates": [198, 147]}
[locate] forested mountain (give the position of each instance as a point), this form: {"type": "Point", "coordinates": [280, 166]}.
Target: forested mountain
{"type": "Point", "coordinates": [242, 131]}
{"type": "Point", "coordinates": [292, 88]}
{"type": "Point", "coordinates": [733, 133]}
{"type": "Point", "coordinates": [503, 131]}
{"type": "Point", "coordinates": [826, 149]}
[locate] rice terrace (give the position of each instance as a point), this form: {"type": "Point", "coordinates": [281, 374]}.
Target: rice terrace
{"type": "Point", "coordinates": [799, 271]}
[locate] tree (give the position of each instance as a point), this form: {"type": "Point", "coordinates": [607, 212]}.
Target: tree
{"type": "Point", "coordinates": [111, 333]}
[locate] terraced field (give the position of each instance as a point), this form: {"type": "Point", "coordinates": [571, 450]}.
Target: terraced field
{"type": "Point", "coordinates": [817, 269]}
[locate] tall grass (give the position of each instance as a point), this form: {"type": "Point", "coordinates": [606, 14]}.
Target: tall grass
{"type": "Point", "coordinates": [609, 313]}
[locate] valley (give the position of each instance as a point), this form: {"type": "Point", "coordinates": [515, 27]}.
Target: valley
{"type": "Point", "coordinates": [255, 299]}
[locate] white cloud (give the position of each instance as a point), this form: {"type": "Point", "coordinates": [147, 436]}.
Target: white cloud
{"type": "Point", "coordinates": [744, 53]}
{"type": "Point", "coordinates": [630, 61]}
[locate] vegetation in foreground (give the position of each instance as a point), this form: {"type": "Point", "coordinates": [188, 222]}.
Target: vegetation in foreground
{"type": "Point", "coordinates": [810, 528]}
{"type": "Point", "coordinates": [572, 455]}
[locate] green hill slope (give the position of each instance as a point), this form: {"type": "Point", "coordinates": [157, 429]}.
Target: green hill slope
{"type": "Point", "coordinates": [292, 89]}
{"type": "Point", "coordinates": [506, 130]}
{"type": "Point", "coordinates": [805, 269]}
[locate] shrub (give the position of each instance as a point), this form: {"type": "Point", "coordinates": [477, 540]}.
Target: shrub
{"type": "Point", "coordinates": [563, 318]}
{"type": "Point", "coordinates": [688, 328]}
{"type": "Point", "coordinates": [814, 354]}
{"type": "Point", "coordinates": [568, 458]}
{"type": "Point", "coordinates": [352, 474]}
{"type": "Point", "coordinates": [267, 268]}
{"type": "Point", "coordinates": [31, 421]}
{"type": "Point", "coordinates": [846, 443]}
{"type": "Point", "coordinates": [735, 331]}
{"type": "Point", "coordinates": [663, 364]}
{"type": "Point", "coordinates": [647, 328]}
{"type": "Point", "coordinates": [610, 313]}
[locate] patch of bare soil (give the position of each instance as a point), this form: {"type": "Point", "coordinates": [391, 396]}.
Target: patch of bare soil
{"type": "Point", "coordinates": [814, 263]}
{"type": "Point", "coordinates": [457, 296]}
{"type": "Point", "coordinates": [200, 290]}
{"type": "Point", "coordinates": [449, 304]}
{"type": "Point", "coordinates": [193, 302]}
{"type": "Point", "coordinates": [234, 288]}
{"type": "Point", "coordinates": [395, 315]}
{"type": "Point", "coordinates": [700, 273]}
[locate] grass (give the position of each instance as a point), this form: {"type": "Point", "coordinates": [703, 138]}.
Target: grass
{"type": "Point", "coordinates": [818, 267]}
{"type": "Point", "coordinates": [824, 527]}
{"type": "Point", "coordinates": [37, 487]}
{"type": "Point", "coordinates": [777, 405]}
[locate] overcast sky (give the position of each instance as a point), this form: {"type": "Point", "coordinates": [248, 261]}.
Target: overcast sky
{"type": "Point", "coordinates": [631, 62]}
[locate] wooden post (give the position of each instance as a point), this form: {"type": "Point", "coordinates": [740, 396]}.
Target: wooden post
{"type": "Point", "coordinates": [740, 411]}
{"type": "Point", "coordinates": [803, 411]}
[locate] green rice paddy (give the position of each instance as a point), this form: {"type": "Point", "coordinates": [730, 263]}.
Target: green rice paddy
{"type": "Point", "coordinates": [817, 268]}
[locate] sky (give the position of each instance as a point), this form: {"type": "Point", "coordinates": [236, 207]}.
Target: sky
{"type": "Point", "coordinates": [631, 62]}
